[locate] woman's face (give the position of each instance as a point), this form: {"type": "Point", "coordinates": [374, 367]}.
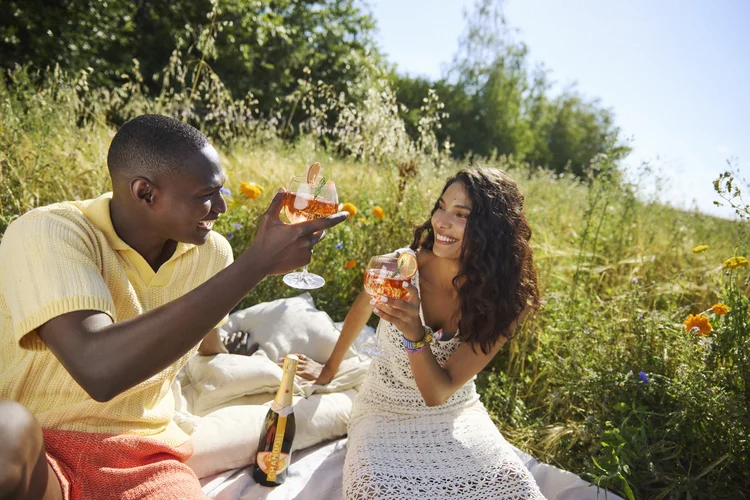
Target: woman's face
{"type": "Point", "coordinates": [449, 221]}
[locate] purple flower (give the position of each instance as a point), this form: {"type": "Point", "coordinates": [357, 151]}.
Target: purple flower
{"type": "Point", "coordinates": [237, 226]}
{"type": "Point", "coordinates": [339, 246]}
{"type": "Point", "coordinates": [230, 235]}
{"type": "Point", "coordinates": [643, 376]}
{"type": "Point", "coordinates": [225, 192]}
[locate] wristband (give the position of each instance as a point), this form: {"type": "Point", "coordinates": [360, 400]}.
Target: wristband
{"type": "Point", "coordinates": [416, 350]}
{"type": "Point", "coordinates": [430, 337]}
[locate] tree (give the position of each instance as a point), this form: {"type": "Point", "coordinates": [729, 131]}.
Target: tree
{"type": "Point", "coordinates": [261, 46]}
{"type": "Point", "coordinates": [495, 104]}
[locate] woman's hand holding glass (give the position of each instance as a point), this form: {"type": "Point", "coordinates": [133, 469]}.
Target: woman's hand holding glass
{"type": "Point", "coordinates": [403, 314]}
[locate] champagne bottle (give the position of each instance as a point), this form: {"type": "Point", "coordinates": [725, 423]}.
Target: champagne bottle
{"type": "Point", "coordinates": [275, 444]}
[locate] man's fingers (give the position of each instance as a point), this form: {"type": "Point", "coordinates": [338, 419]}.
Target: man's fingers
{"type": "Point", "coordinates": [275, 207]}
{"type": "Point", "coordinates": [317, 225]}
{"type": "Point", "coordinates": [317, 237]}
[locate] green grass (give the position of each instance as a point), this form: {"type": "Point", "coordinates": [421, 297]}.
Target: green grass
{"type": "Point", "coordinates": [617, 273]}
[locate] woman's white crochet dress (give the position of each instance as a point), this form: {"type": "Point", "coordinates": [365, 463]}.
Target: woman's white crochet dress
{"type": "Point", "coordinates": [399, 448]}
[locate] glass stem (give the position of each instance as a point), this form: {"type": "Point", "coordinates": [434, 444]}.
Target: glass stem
{"type": "Point", "coordinates": [303, 276]}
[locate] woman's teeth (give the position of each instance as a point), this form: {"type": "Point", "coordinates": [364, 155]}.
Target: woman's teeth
{"type": "Point", "coordinates": [206, 224]}
{"type": "Point", "coordinates": [445, 239]}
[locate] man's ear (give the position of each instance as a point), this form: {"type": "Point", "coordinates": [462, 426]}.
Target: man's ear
{"type": "Point", "coordinates": [142, 190]}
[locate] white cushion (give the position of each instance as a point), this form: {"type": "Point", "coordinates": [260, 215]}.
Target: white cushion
{"type": "Point", "coordinates": [228, 438]}
{"type": "Point", "coordinates": [284, 326]}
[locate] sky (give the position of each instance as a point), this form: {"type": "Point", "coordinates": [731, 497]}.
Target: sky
{"type": "Point", "coordinates": [676, 74]}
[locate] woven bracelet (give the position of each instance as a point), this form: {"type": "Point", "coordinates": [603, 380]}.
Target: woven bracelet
{"type": "Point", "coordinates": [429, 338]}
{"type": "Point", "coordinates": [417, 349]}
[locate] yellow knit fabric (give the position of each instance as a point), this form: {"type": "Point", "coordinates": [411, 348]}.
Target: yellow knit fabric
{"type": "Point", "coordinates": [67, 257]}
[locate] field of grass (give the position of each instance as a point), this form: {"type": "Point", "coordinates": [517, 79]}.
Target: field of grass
{"type": "Point", "coordinates": [605, 381]}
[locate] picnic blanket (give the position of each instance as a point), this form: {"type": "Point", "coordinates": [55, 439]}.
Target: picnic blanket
{"type": "Point", "coordinates": [221, 402]}
{"type": "Point", "coordinates": [317, 472]}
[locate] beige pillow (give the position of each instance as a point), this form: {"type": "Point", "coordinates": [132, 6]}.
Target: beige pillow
{"type": "Point", "coordinates": [214, 380]}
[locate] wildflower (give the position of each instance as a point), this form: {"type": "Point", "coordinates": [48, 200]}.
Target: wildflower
{"type": "Point", "coordinates": [634, 281]}
{"type": "Point", "coordinates": [698, 322]}
{"type": "Point", "coordinates": [706, 343]}
{"type": "Point", "coordinates": [339, 246]}
{"type": "Point", "coordinates": [225, 191]}
{"type": "Point", "coordinates": [237, 226]}
{"type": "Point", "coordinates": [251, 191]}
{"type": "Point", "coordinates": [700, 248]}
{"type": "Point", "coordinates": [378, 212]}
{"type": "Point", "coordinates": [644, 377]}
{"type": "Point", "coordinates": [361, 220]}
{"type": "Point", "coordinates": [349, 207]}
{"type": "Point", "coordinates": [735, 262]}
{"type": "Point", "coordinates": [230, 235]}
{"type": "Point", "coordinates": [720, 309]}
{"type": "Point", "coordinates": [350, 264]}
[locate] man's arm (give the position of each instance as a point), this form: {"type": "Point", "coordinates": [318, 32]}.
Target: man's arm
{"type": "Point", "coordinates": [108, 358]}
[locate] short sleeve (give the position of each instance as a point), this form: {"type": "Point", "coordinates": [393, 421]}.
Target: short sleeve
{"type": "Point", "coordinates": [49, 266]}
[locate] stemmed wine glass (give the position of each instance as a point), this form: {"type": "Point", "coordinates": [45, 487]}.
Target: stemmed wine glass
{"type": "Point", "coordinates": [305, 201]}
{"type": "Point", "coordinates": [385, 276]}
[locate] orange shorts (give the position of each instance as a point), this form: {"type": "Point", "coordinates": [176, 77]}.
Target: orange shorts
{"type": "Point", "coordinates": [102, 466]}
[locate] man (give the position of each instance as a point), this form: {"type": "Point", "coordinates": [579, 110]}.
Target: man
{"type": "Point", "coordinates": [103, 301]}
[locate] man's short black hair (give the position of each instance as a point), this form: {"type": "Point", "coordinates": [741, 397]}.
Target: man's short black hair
{"type": "Point", "coordinates": [153, 145]}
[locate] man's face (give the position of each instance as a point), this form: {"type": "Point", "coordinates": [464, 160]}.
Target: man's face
{"type": "Point", "coordinates": [191, 202]}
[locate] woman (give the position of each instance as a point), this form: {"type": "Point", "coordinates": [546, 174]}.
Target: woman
{"type": "Point", "coordinates": [418, 429]}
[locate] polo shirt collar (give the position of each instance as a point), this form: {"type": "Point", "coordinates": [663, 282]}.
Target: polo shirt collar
{"type": "Point", "coordinates": [97, 211]}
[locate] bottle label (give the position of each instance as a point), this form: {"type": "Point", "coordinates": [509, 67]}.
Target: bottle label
{"type": "Point", "coordinates": [263, 459]}
{"type": "Point", "coordinates": [276, 450]}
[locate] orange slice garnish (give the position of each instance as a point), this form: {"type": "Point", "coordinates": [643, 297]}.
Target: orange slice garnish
{"type": "Point", "coordinates": [407, 265]}
{"type": "Point", "coordinates": [312, 172]}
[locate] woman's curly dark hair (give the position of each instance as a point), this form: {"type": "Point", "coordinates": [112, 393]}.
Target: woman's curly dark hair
{"type": "Point", "coordinates": [497, 278]}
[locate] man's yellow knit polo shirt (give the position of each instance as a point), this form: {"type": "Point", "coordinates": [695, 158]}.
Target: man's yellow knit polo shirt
{"type": "Point", "coordinates": [67, 257]}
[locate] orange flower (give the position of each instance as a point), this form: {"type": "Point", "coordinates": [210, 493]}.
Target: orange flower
{"type": "Point", "coordinates": [720, 309]}
{"type": "Point", "coordinates": [349, 207]}
{"type": "Point", "coordinates": [700, 322]}
{"type": "Point", "coordinates": [252, 191]}
{"type": "Point", "coordinates": [350, 264]}
{"type": "Point", "coordinates": [378, 212]}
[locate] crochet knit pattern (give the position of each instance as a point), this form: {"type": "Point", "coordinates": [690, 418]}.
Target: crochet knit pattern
{"type": "Point", "coordinates": [399, 447]}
